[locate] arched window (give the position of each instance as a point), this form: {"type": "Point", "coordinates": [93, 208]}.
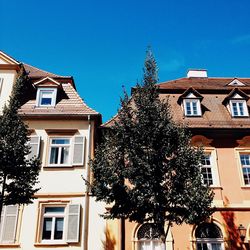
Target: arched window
{"type": "Point", "coordinates": [148, 237]}
{"type": "Point", "coordinates": [209, 237]}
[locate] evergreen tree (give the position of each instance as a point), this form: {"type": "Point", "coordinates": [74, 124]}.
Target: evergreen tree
{"type": "Point", "coordinates": [18, 175]}
{"type": "Point", "coordinates": [145, 166]}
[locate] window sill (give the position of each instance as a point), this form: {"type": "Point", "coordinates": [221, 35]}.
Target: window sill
{"type": "Point", "coordinates": [216, 187]}
{"type": "Point", "coordinates": [59, 166]}
{"type": "Point", "coordinates": [9, 245]}
{"type": "Point", "coordinates": [52, 243]}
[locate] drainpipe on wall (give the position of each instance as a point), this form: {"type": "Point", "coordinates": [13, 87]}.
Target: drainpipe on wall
{"type": "Point", "coordinates": [86, 210]}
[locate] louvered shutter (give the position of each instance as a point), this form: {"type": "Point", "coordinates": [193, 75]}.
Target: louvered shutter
{"type": "Point", "coordinates": [34, 144]}
{"type": "Point", "coordinates": [73, 223]}
{"type": "Point", "coordinates": [78, 154]}
{"type": "Point", "coordinates": [1, 84]}
{"type": "Point", "coordinates": [9, 221]}
{"type": "Point", "coordinates": [2, 222]}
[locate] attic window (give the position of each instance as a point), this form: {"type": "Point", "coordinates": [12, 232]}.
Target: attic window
{"type": "Point", "coordinates": [238, 108]}
{"type": "Point", "coordinates": [46, 97]}
{"type": "Point", "coordinates": [192, 107]}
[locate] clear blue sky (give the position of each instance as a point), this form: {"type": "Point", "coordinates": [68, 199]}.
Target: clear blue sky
{"type": "Point", "coordinates": [102, 44]}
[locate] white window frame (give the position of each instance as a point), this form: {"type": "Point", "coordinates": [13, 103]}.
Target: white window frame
{"type": "Point", "coordinates": [209, 243]}
{"type": "Point", "coordinates": [70, 215]}
{"type": "Point", "coordinates": [39, 97]}
{"type": "Point", "coordinates": [75, 142]}
{"type": "Point", "coordinates": [53, 216]}
{"type": "Point", "coordinates": [237, 102]}
{"type": "Point", "coordinates": [191, 101]}
{"type": "Point", "coordinates": [70, 146]}
{"type": "Point", "coordinates": [244, 152]}
{"type": "Point", "coordinates": [214, 167]}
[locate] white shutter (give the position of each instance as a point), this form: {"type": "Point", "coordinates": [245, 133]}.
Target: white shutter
{"type": "Point", "coordinates": [2, 222]}
{"type": "Point", "coordinates": [34, 144]}
{"type": "Point", "coordinates": [78, 152]}
{"type": "Point", "coordinates": [9, 221]}
{"type": "Point", "coordinates": [1, 85]}
{"type": "Point", "coordinates": [73, 223]}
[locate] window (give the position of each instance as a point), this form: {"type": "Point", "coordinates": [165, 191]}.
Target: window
{"type": "Point", "coordinates": [8, 224]}
{"type": "Point", "coordinates": [209, 237]}
{"type": "Point", "coordinates": [206, 170]}
{"type": "Point", "coordinates": [245, 164]}
{"type": "Point", "coordinates": [149, 237]}
{"type": "Point", "coordinates": [53, 223]}
{"type": "Point", "coordinates": [59, 151]}
{"type": "Point", "coordinates": [192, 107]}
{"type": "Point", "coordinates": [238, 108]}
{"type": "Point", "coordinates": [46, 97]}
{"type": "Point", "coordinates": [66, 151]}
{"type": "Point", "coordinates": [60, 223]}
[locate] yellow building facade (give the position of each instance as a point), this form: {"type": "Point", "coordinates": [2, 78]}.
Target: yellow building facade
{"type": "Point", "coordinates": [216, 110]}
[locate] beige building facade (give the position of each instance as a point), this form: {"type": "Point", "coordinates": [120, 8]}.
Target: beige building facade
{"type": "Point", "coordinates": [62, 133]}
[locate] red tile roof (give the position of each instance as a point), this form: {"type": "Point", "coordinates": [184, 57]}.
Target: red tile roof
{"type": "Point", "coordinates": [69, 105]}
{"type": "Point", "coordinates": [214, 91]}
{"type": "Point", "coordinates": [39, 73]}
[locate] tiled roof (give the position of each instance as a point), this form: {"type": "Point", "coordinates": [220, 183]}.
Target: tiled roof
{"type": "Point", "coordinates": [38, 73]}
{"type": "Point", "coordinates": [199, 83]}
{"type": "Point", "coordinates": [214, 91]}
{"type": "Point", "coordinates": [68, 104]}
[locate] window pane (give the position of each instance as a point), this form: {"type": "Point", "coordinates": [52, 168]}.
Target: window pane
{"type": "Point", "coordinates": [46, 97]}
{"type": "Point", "coordinates": [216, 246]}
{"type": "Point", "coordinates": [46, 101]}
{"type": "Point", "coordinates": [195, 112]}
{"type": "Point", "coordinates": [47, 227]}
{"type": "Point", "coordinates": [241, 109]}
{"type": "Point", "coordinates": [59, 229]}
{"type": "Point", "coordinates": [54, 155]}
{"type": "Point", "coordinates": [235, 110]}
{"type": "Point", "coordinates": [188, 108]}
{"type": "Point", "coordinates": [64, 155]}
{"type": "Point", "coordinates": [54, 209]}
{"type": "Point", "coordinates": [60, 141]}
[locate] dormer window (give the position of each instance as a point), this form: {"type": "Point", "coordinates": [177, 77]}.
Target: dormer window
{"type": "Point", "coordinates": [46, 92]}
{"type": "Point", "coordinates": [190, 101]}
{"type": "Point", "coordinates": [46, 97]}
{"type": "Point", "coordinates": [192, 107]}
{"type": "Point", "coordinates": [236, 103]}
{"type": "Point", "coordinates": [238, 108]}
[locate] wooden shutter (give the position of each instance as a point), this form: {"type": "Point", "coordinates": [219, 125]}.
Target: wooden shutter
{"type": "Point", "coordinates": [9, 221]}
{"type": "Point", "coordinates": [34, 144]}
{"type": "Point", "coordinates": [73, 223]}
{"type": "Point", "coordinates": [78, 152]}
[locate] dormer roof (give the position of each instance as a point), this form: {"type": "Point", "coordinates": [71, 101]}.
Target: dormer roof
{"type": "Point", "coordinates": [235, 94]}
{"type": "Point", "coordinates": [190, 93]}
{"type": "Point", "coordinates": [236, 83]}
{"type": "Point", "coordinates": [47, 82]}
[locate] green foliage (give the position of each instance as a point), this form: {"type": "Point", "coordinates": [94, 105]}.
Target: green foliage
{"type": "Point", "coordinates": [18, 175]}
{"type": "Point", "coordinates": [145, 167]}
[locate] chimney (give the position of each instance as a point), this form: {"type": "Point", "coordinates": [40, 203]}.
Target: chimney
{"type": "Point", "coordinates": [197, 73]}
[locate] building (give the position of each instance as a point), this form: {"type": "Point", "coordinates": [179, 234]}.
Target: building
{"type": "Point", "coordinates": [217, 113]}
{"type": "Point", "coordinates": [62, 133]}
